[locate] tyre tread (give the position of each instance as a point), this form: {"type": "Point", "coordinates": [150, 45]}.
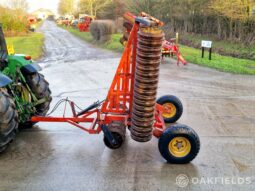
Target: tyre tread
{"type": "Point", "coordinates": [178, 104]}
{"type": "Point", "coordinates": [40, 88]}
{"type": "Point", "coordinates": [9, 121]}
{"type": "Point", "coordinates": [177, 130]}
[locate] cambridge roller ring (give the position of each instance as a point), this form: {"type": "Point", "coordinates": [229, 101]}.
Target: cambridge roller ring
{"type": "Point", "coordinates": [146, 83]}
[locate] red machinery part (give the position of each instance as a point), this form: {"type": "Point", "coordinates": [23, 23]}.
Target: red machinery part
{"type": "Point", "coordinates": [84, 23]}
{"type": "Point", "coordinates": [119, 110]}
{"type": "Point", "coordinates": [119, 101]}
{"type": "Point", "coordinates": [170, 48]}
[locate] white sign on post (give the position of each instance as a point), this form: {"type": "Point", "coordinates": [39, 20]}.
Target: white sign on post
{"type": "Point", "coordinates": [206, 44]}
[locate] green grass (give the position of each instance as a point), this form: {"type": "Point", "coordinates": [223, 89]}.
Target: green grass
{"type": "Point", "coordinates": [113, 44]}
{"type": "Point", "coordinates": [223, 47]}
{"type": "Point", "coordinates": [192, 55]}
{"type": "Point", "coordinates": [221, 63]}
{"type": "Point", "coordinates": [86, 36]}
{"type": "Point", "coordinates": [30, 44]}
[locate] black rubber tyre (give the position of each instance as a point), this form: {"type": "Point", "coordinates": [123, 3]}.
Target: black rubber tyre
{"type": "Point", "coordinates": [177, 104]}
{"type": "Point", "coordinates": [8, 120]}
{"type": "Point", "coordinates": [118, 130]}
{"type": "Point", "coordinates": [181, 132]}
{"type": "Point", "coordinates": [40, 87]}
{"type": "Point", "coordinates": [117, 137]}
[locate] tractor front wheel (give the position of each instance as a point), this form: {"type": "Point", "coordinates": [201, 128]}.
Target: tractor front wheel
{"type": "Point", "coordinates": [179, 144]}
{"type": "Point", "coordinates": [8, 120]}
{"type": "Point", "coordinates": [40, 87]}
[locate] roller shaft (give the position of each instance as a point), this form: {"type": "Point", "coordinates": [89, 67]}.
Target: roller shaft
{"type": "Point", "coordinates": [146, 83]}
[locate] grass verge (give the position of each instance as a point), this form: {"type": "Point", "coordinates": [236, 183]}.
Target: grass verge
{"type": "Point", "coordinates": [30, 44]}
{"type": "Point", "coordinates": [113, 44]}
{"type": "Point", "coordinates": [86, 36]}
{"type": "Point", "coordinates": [192, 55]}
{"type": "Point", "coordinates": [223, 47]}
{"type": "Point", "coordinates": [221, 63]}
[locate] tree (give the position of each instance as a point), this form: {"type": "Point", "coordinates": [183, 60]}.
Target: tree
{"type": "Point", "coordinates": [66, 7]}
{"type": "Point", "coordinates": [233, 9]}
{"type": "Point", "coordinates": [13, 21]}
{"type": "Point", "coordinates": [236, 11]}
{"type": "Point", "coordinates": [114, 10]}
{"type": "Point", "coordinates": [233, 19]}
{"type": "Point", "coordinates": [20, 5]}
{"type": "Point", "coordinates": [93, 6]}
{"type": "Point", "coordinates": [148, 6]}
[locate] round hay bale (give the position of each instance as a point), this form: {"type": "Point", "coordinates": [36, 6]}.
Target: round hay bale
{"type": "Point", "coordinates": [101, 30]}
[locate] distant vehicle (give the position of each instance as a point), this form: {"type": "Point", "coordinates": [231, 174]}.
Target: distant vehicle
{"type": "Point", "coordinates": [59, 20]}
{"type": "Point", "coordinates": [84, 23]}
{"type": "Point", "coordinates": [74, 23]}
{"type": "Point", "coordinates": [65, 20]}
{"type": "Point", "coordinates": [51, 18]}
{"type": "Point", "coordinates": [32, 23]}
{"type": "Point", "coordinates": [82, 15]}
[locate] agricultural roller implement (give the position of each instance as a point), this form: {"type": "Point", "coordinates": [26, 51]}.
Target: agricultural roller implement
{"type": "Point", "coordinates": [131, 101]}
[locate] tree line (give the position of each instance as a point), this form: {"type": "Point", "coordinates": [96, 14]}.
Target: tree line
{"type": "Point", "coordinates": [13, 17]}
{"type": "Point", "coordinates": [225, 19]}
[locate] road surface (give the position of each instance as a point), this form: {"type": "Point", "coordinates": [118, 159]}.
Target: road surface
{"type": "Point", "coordinates": [55, 156]}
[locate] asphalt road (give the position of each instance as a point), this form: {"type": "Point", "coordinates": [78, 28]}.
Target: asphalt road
{"type": "Point", "coordinates": [56, 156]}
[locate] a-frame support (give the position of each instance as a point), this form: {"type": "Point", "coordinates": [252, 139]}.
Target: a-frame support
{"type": "Point", "coordinates": [120, 94]}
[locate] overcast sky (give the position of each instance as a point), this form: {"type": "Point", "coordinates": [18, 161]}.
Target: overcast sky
{"type": "Point", "coordinates": [36, 4]}
{"type": "Point", "coordinates": [47, 4]}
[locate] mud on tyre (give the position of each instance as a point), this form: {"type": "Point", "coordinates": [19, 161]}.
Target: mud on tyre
{"type": "Point", "coordinates": [8, 120]}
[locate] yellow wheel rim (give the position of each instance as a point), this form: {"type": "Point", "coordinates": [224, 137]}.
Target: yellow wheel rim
{"type": "Point", "coordinates": [169, 110]}
{"type": "Point", "coordinates": [179, 147]}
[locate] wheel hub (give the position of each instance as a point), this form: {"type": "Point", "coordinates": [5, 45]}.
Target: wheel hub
{"type": "Point", "coordinates": [169, 110]}
{"type": "Point", "coordinates": [179, 146]}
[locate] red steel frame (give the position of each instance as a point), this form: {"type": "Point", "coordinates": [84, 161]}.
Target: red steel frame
{"type": "Point", "coordinates": [171, 48]}
{"type": "Point", "coordinates": [119, 101]}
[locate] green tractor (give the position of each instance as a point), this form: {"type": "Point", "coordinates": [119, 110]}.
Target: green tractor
{"type": "Point", "coordinates": [23, 93]}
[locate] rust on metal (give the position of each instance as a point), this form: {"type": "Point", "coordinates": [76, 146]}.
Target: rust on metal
{"type": "Point", "coordinates": [149, 44]}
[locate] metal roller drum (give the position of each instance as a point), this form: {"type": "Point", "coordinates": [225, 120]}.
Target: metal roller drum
{"type": "Point", "coordinates": [146, 83]}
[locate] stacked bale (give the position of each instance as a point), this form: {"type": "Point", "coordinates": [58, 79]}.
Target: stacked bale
{"type": "Point", "coordinates": [101, 30]}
